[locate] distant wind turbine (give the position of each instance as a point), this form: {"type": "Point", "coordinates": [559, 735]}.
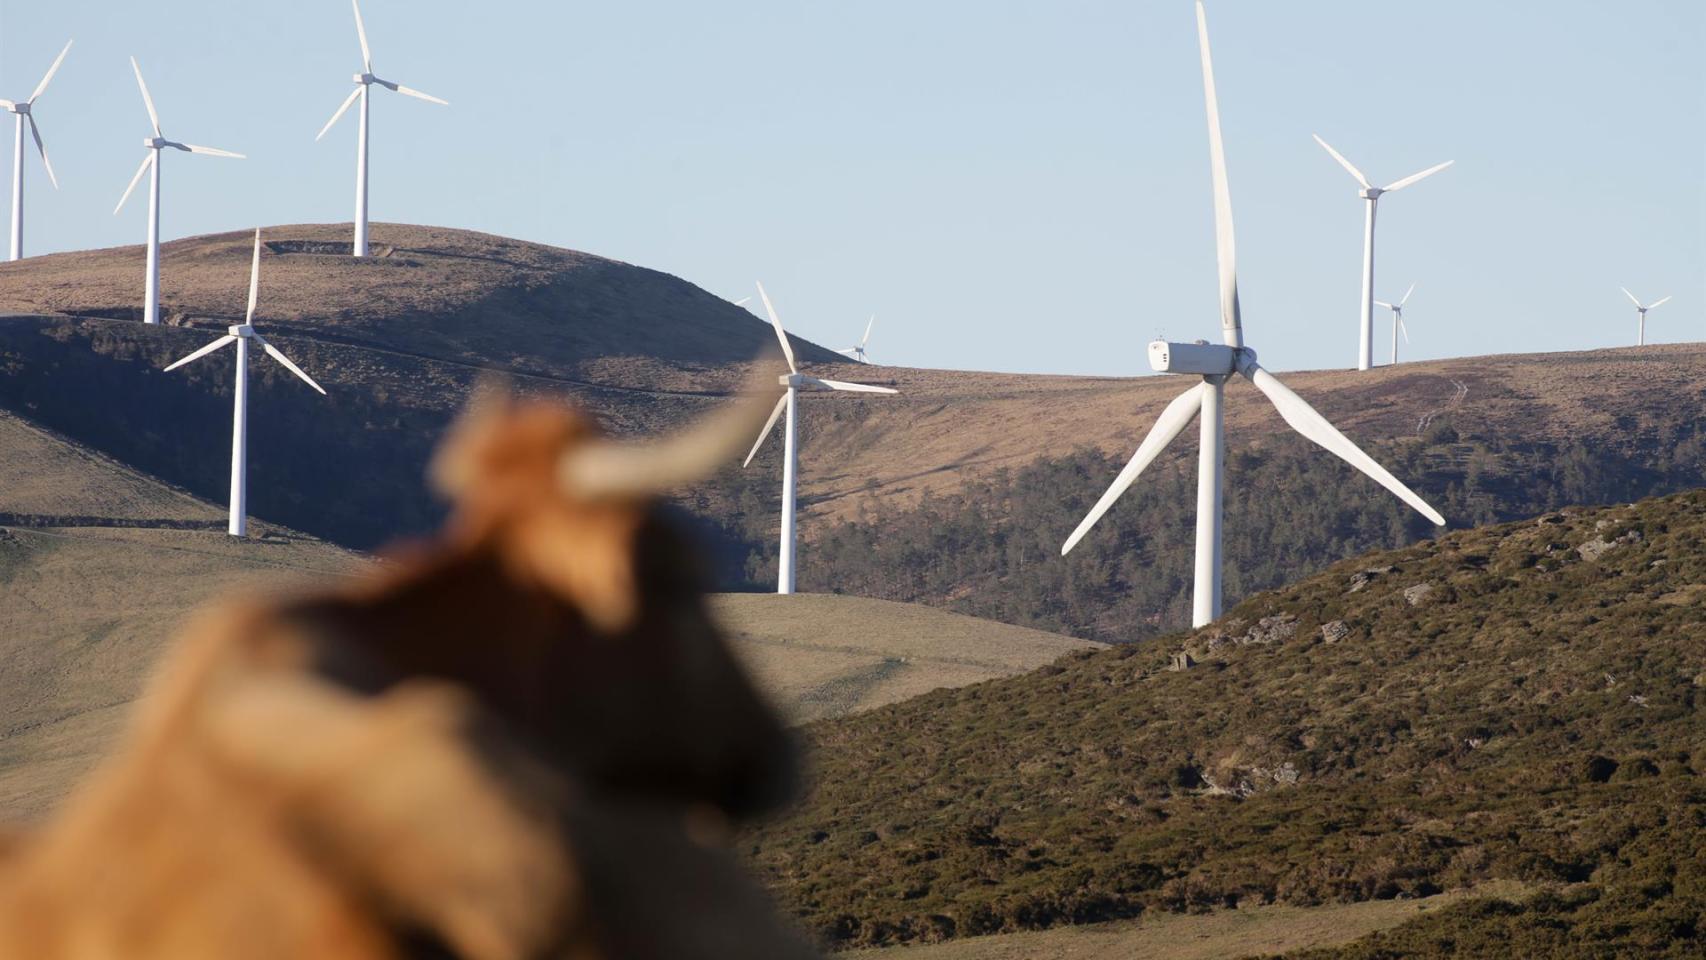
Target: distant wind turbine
{"type": "Point", "coordinates": [154, 144]}
{"type": "Point", "coordinates": [1371, 195]}
{"type": "Point", "coordinates": [1215, 363]}
{"type": "Point", "coordinates": [1398, 320]}
{"type": "Point", "coordinates": [364, 85]}
{"type": "Point", "coordinates": [857, 351]}
{"type": "Point", "coordinates": [241, 335]}
{"type": "Point", "coordinates": [793, 380]}
{"type": "Point", "coordinates": [26, 116]}
{"type": "Point", "coordinates": [1641, 331]}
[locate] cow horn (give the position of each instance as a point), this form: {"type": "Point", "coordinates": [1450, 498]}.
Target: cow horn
{"type": "Point", "coordinates": [618, 470]}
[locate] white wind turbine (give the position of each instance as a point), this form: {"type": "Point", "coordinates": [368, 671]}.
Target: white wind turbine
{"type": "Point", "coordinates": [154, 144]}
{"type": "Point", "coordinates": [241, 335]}
{"type": "Point", "coordinates": [364, 85]}
{"type": "Point", "coordinates": [1398, 320]}
{"type": "Point", "coordinates": [25, 115]}
{"type": "Point", "coordinates": [793, 380]}
{"type": "Point", "coordinates": [1215, 363]}
{"type": "Point", "coordinates": [1641, 331]}
{"type": "Point", "coordinates": [857, 351]}
{"type": "Point", "coordinates": [1371, 196]}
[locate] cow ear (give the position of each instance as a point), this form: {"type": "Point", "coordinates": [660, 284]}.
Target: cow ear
{"type": "Point", "coordinates": [457, 463]}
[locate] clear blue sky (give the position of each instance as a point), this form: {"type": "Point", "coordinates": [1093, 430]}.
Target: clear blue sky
{"type": "Point", "coordinates": [1009, 186]}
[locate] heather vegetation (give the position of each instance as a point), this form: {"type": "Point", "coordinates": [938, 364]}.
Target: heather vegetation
{"type": "Point", "coordinates": [993, 549]}
{"type": "Point", "coordinates": [1518, 703]}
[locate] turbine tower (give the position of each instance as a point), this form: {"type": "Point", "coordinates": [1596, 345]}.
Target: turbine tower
{"type": "Point", "coordinates": [1641, 331]}
{"type": "Point", "coordinates": [793, 381]}
{"type": "Point", "coordinates": [24, 115]}
{"type": "Point", "coordinates": [1215, 363]}
{"type": "Point", "coordinates": [857, 351]}
{"type": "Point", "coordinates": [1398, 320]}
{"type": "Point", "coordinates": [1371, 197]}
{"type": "Point", "coordinates": [154, 144]}
{"type": "Point", "coordinates": [241, 334]}
{"type": "Point", "coordinates": [364, 82]}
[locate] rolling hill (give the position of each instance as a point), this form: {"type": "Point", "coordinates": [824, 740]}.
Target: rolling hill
{"type": "Point", "coordinates": [1523, 703]}
{"type": "Point", "coordinates": [1008, 463]}
{"type": "Point", "coordinates": [100, 565]}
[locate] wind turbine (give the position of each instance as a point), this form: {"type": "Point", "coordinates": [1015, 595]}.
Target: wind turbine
{"type": "Point", "coordinates": [24, 115]}
{"type": "Point", "coordinates": [364, 85]}
{"type": "Point", "coordinates": [241, 334]}
{"type": "Point", "coordinates": [1398, 320]}
{"type": "Point", "coordinates": [154, 144]}
{"type": "Point", "coordinates": [857, 351]}
{"type": "Point", "coordinates": [793, 380]}
{"type": "Point", "coordinates": [1641, 332]}
{"type": "Point", "coordinates": [1371, 195]}
{"type": "Point", "coordinates": [1215, 363]}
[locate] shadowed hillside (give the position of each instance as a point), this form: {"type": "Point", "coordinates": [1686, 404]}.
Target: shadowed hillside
{"type": "Point", "coordinates": [1518, 703]}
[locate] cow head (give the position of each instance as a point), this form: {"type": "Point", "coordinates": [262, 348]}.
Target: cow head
{"type": "Point", "coordinates": [635, 686]}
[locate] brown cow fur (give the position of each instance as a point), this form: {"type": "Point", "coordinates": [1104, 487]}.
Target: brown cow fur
{"type": "Point", "coordinates": [416, 763]}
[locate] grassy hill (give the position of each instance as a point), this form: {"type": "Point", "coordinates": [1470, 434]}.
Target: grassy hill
{"type": "Point", "coordinates": [824, 656]}
{"type": "Point", "coordinates": [1006, 463]}
{"type": "Point", "coordinates": [1521, 703]}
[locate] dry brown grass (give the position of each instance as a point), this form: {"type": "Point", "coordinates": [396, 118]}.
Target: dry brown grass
{"type": "Point", "coordinates": [1250, 932]}
{"type": "Point", "coordinates": [824, 656]}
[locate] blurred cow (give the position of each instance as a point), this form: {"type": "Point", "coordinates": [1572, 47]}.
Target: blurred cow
{"type": "Point", "coordinates": [512, 742]}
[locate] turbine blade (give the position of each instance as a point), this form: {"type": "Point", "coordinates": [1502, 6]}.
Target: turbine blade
{"type": "Point", "coordinates": [1305, 420]}
{"type": "Point", "coordinates": [254, 278]}
{"type": "Point", "coordinates": [348, 102]}
{"type": "Point", "coordinates": [42, 86]}
{"type": "Point", "coordinates": [1632, 298]}
{"type": "Point", "coordinates": [768, 425]}
{"type": "Point", "coordinates": [272, 351]}
{"type": "Point", "coordinates": [846, 387]}
{"type": "Point", "coordinates": [1169, 425]}
{"type": "Point", "coordinates": [1342, 161]}
{"type": "Point", "coordinates": [782, 335]}
{"type": "Point", "coordinates": [1225, 245]}
{"type": "Point", "coordinates": [204, 351]}
{"type": "Point", "coordinates": [146, 160]}
{"type": "Point", "coordinates": [361, 34]}
{"type": "Point", "coordinates": [1407, 295]}
{"type": "Point", "coordinates": [1415, 177]}
{"type": "Point", "coordinates": [7, 104]}
{"type": "Point", "coordinates": [43, 151]}
{"type": "Point", "coordinates": [742, 301]}
{"type": "Point", "coordinates": [867, 337]}
{"type": "Point", "coordinates": [147, 101]}
{"type": "Point", "coordinates": [1403, 329]}
{"type": "Point", "coordinates": [1383, 303]}
{"type": "Point", "coordinates": [1658, 303]}
{"type": "Point", "coordinates": [417, 94]}
{"type": "Point", "coordinates": [213, 152]}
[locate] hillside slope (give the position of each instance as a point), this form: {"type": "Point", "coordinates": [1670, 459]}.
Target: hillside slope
{"type": "Point", "coordinates": [1522, 702]}
{"type": "Point", "coordinates": [1008, 462]}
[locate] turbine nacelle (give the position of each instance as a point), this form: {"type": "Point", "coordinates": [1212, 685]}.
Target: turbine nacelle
{"type": "Point", "coordinates": [1200, 358]}
{"type": "Point", "coordinates": [240, 330]}
{"type": "Point", "coordinates": [366, 78]}
{"type": "Point", "coordinates": [1372, 193]}
{"type": "Point", "coordinates": [18, 108]}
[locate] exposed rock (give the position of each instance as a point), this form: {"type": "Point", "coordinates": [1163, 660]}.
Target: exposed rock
{"type": "Point", "coordinates": [1550, 519]}
{"type": "Point", "coordinates": [1182, 661]}
{"type": "Point", "coordinates": [1416, 594]}
{"type": "Point", "coordinates": [1598, 546]}
{"type": "Point", "coordinates": [1286, 774]}
{"type": "Point", "coordinates": [1274, 629]}
{"type": "Point", "coordinates": [1334, 632]}
{"type": "Point", "coordinates": [1365, 577]}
